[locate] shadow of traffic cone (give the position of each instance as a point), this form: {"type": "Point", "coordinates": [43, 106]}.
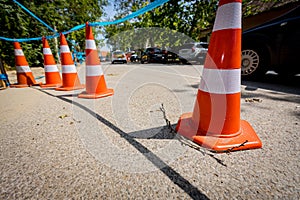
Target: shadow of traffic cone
{"type": "Point", "coordinates": [95, 81]}
{"type": "Point", "coordinates": [215, 122]}
{"type": "Point", "coordinates": [24, 74]}
{"type": "Point", "coordinates": [52, 75]}
{"type": "Point", "coordinates": [69, 73]}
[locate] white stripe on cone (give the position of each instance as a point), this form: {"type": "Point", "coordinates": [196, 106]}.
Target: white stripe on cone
{"type": "Point", "coordinates": [64, 49]}
{"type": "Point", "coordinates": [19, 52]}
{"type": "Point", "coordinates": [221, 81]}
{"type": "Point", "coordinates": [68, 69]}
{"type": "Point", "coordinates": [23, 69]}
{"type": "Point", "coordinates": [94, 70]}
{"type": "Point", "coordinates": [47, 51]}
{"type": "Point", "coordinates": [51, 68]}
{"type": "Point", "coordinates": [228, 17]}
{"type": "Point", "coordinates": [90, 44]}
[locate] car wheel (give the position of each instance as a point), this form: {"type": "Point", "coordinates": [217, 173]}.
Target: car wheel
{"type": "Point", "coordinates": [112, 62]}
{"type": "Point", "coordinates": [142, 62]}
{"type": "Point", "coordinates": [254, 62]}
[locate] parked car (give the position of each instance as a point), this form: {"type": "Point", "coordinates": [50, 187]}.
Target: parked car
{"type": "Point", "coordinates": [193, 52]}
{"type": "Point", "coordinates": [274, 45]}
{"type": "Point", "coordinates": [170, 56]}
{"type": "Point", "coordinates": [118, 56]}
{"type": "Point", "coordinates": [134, 58]}
{"type": "Point", "coordinates": [152, 54]}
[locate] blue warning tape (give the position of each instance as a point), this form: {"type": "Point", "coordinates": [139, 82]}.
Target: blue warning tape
{"type": "Point", "coordinates": [143, 10]}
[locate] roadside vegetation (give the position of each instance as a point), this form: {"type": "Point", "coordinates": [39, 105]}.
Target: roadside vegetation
{"type": "Point", "coordinates": [193, 18]}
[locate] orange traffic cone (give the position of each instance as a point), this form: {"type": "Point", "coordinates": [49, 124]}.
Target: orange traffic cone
{"type": "Point", "coordinates": [24, 74]}
{"type": "Point", "coordinates": [69, 73]}
{"type": "Point", "coordinates": [215, 122]}
{"type": "Point", "coordinates": [95, 81]}
{"type": "Point", "coordinates": [52, 75]}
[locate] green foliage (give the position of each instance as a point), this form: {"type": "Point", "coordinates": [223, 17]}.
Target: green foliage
{"type": "Point", "coordinates": [59, 14]}
{"type": "Point", "coordinates": [193, 18]}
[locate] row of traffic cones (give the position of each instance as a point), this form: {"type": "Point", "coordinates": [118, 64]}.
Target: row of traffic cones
{"type": "Point", "coordinates": [95, 81]}
{"type": "Point", "coordinates": [215, 122]}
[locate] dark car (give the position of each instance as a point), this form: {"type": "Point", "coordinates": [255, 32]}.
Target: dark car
{"type": "Point", "coordinates": [170, 55]}
{"type": "Point", "coordinates": [274, 45]}
{"type": "Point", "coordinates": [153, 54]}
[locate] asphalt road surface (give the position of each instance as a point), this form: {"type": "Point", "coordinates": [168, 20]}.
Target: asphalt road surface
{"type": "Point", "coordinates": [57, 146]}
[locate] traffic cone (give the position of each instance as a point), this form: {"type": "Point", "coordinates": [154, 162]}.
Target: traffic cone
{"type": "Point", "coordinates": [24, 74]}
{"type": "Point", "coordinates": [52, 75]}
{"type": "Point", "coordinates": [215, 122]}
{"type": "Point", "coordinates": [69, 73]}
{"type": "Point", "coordinates": [95, 81]}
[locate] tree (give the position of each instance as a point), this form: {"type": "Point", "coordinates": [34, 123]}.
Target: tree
{"type": "Point", "coordinates": [59, 14]}
{"type": "Point", "coordinates": [173, 15]}
{"type": "Point", "coordinates": [193, 18]}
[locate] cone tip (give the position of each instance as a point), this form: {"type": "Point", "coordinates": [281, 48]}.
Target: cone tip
{"type": "Point", "coordinates": [17, 45]}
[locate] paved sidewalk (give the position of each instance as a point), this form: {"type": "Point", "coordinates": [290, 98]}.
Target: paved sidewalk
{"type": "Point", "coordinates": [56, 146]}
